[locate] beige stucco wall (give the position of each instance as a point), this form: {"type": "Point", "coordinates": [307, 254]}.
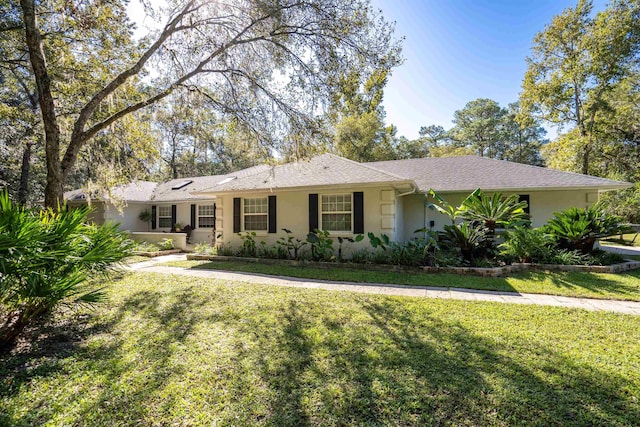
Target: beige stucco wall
{"type": "Point", "coordinates": [542, 204]}
{"type": "Point", "coordinates": [292, 211]}
{"type": "Point", "coordinates": [183, 217]}
{"type": "Point", "coordinates": [128, 217]}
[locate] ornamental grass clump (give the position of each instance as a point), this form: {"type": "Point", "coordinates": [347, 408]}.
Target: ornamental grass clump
{"type": "Point", "coordinates": [48, 258]}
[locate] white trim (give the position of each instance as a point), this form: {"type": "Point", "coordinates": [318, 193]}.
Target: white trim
{"type": "Point", "coordinates": [198, 216]}
{"type": "Point", "coordinates": [158, 207]}
{"type": "Point", "coordinates": [265, 214]}
{"type": "Point", "coordinates": [320, 212]}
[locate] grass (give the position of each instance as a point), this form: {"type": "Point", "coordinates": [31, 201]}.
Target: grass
{"type": "Point", "coordinates": [185, 351]}
{"type": "Point", "coordinates": [134, 259]}
{"type": "Point", "coordinates": [625, 241]}
{"type": "Point", "coordinates": [622, 286]}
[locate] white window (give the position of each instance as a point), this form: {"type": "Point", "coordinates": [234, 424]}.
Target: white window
{"type": "Point", "coordinates": [206, 215]}
{"type": "Point", "coordinates": [255, 214]}
{"type": "Point", "coordinates": [164, 216]}
{"type": "Point", "coordinates": [336, 212]}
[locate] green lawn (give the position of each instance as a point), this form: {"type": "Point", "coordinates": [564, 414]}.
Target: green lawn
{"type": "Point", "coordinates": [623, 286]}
{"type": "Point", "coordinates": [626, 240]}
{"type": "Point", "coordinates": [184, 351]}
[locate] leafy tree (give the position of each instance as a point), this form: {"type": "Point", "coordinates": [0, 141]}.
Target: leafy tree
{"type": "Point", "coordinates": [360, 132]}
{"type": "Point", "coordinates": [431, 143]}
{"type": "Point", "coordinates": [265, 64]}
{"type": "Point", "coordinates": [479, 125]}
{"type": "Point", "coordinates": [524, 137]}
{"type": "Point", "coordinates": [577, 62]}
{"type": "Point", "coordinates": [46, 258]}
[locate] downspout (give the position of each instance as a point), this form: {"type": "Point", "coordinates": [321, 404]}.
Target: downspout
{"type": "Point", "coordinates": [413, 190]}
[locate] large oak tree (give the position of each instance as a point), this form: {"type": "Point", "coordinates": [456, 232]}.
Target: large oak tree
{"type": "Point", "coordinates": [271, 65]}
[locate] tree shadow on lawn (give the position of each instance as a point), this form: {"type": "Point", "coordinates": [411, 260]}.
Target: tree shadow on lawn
{"type": "Point", "coordinates": [103, 352]}
{"type": "Point", "coordinates": [316, 358]}
{"type": "Point", "coordinates": [409, 368]}
{"type": "Point", "coordinates": [605, 284]}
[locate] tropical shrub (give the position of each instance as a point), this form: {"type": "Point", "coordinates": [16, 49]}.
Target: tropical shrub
{"type": "Point", "coordinates": [48, 258]}
{"type": "Point", "coordinates": [525, 244]}
{"type": "Point", "coordinates": [341, 241]}
{"type": "Point", "coordinates": [568, 257]}
{"type": "Point", "coordinates": [361, 256]}
{"type": "Point", "coordinates": [291, 244]}
{"type": "Point", "coordinates": [145, 247]}
{"type": "Point", "coordinates": [579, 229]}
{"type": "Point", "coordinates": [472, 240]}
{"type": "Point", "coordinates": [379, 242]}
{"type": "Point", "coordinates": [166, 244]}
{"type": "Point", "coordinates": [600, 257]}
{"type": "Point", "coordinates": [444, 207]}
{"type": "Point", "coordinates": [321, 245]}
{"type": "Point", "coordinates": [205, 249]}
{"type": "Point", "coordinates": [248, 248]}
{"type": "Point", "coordinates": [493, 211]}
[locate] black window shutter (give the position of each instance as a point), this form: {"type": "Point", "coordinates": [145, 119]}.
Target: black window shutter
{"type": "Point", "coordinates": [154, 217]}
{"type": "Point", "coordinates": [358, 212]}
{"type": "Point", "coordinates": [236, 214]}
{"type": "Point", "coordinates": [272, 214]}
{"type": "Point", "coordinates": [173, 217]}
{"type": "Point", "coordinates": [313, 212]}
{"type": "Point", "coordinates": [193, 217]}
{"type": "Point", "coordinates": [525, 198]}
{"type": "Point", "coordinates": [215, 223]}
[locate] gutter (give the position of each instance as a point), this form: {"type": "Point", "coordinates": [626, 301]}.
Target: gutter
{"type": "Point", "coordinates": [413, 191]}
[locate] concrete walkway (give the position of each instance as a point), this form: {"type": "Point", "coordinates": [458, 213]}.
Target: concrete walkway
{"type": "Point", "coordinates": [626, 307]}
{"type": "Point", "coordinates": [623, 250]}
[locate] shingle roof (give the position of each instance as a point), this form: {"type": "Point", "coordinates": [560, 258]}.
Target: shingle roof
{"type": "Point", "coordinates": [322, 170]}
{"type": "Point", "coordinates": [466, 173]}
{"type": "Point", "coordinates": [165, 192]}
{"type": "Point", "coordinates": [137, 191]}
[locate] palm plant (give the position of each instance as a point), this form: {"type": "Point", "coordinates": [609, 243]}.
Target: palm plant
{"type": "Point", "coordinates": [527, 245]}
{"type": "Point", "coordinates": [579, 229]}
{"type": "Point", "coordinates": [493, 211]}
{"type": "Point", "coordinates": [46, 259]}
{"type": "Point", "coordinates": [444, 207]}
{"type": "Point", "coordinates": [469, 238]}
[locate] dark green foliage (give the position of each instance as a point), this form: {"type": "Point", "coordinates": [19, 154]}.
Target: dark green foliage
{"type": "Point", "coordinates": [494, 210]}
{"type": "Point", "coordinates": [379, 242]}
{"type": "Point", "coordinates": [578, 229]}
{"type": "Point", "coordinates": [290, 244]}
{"type": "Point", "coordinates": [341, 240]}
{"type": "Point", "coordinates": [471, 240]}
{"type": "Point", "coordinates": [248, 248]}
{"type": "Point", "coordinates": [321, 245]}
{"type": "Point", "coordinates": [624, 203]}
{"type": "Point", "coordinates": [527, 245]}
{"type": "Point", "coordinates": [46, 258]}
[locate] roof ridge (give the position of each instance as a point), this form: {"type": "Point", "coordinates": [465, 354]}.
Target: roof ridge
{"type": "Point", "coordinates": [364, 164]}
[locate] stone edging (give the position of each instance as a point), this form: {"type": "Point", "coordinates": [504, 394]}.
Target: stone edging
{"type": "Point", "coordinates": [467, 271]}
{"type": "Point", "coordinates": [158, 253]}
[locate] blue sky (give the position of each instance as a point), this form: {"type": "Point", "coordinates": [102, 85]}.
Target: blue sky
{"type": "Point", "coordinates": [459, 50]}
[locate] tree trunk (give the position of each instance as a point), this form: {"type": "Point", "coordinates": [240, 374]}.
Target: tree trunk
{"type": "Point", "coordinates": [53, 190]}
{"type": "Point", "coordinates": [24, 174]}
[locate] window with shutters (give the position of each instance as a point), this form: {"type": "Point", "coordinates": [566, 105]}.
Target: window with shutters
{"type": "Point", "coordinates": [164, 216]}
{"type": "Point", "coordinates": [336, 212]}
{"type": "Point", "coordinates": [206, 216]}
{"type": "Point", "coordinates": [255, 214]}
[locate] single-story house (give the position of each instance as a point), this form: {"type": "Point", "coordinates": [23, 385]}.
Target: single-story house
{"type": "Point", "coordinates": [345, 197]}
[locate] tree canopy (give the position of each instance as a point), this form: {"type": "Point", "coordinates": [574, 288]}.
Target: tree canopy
{"type": "Point", "coordinates": [271, 66]}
